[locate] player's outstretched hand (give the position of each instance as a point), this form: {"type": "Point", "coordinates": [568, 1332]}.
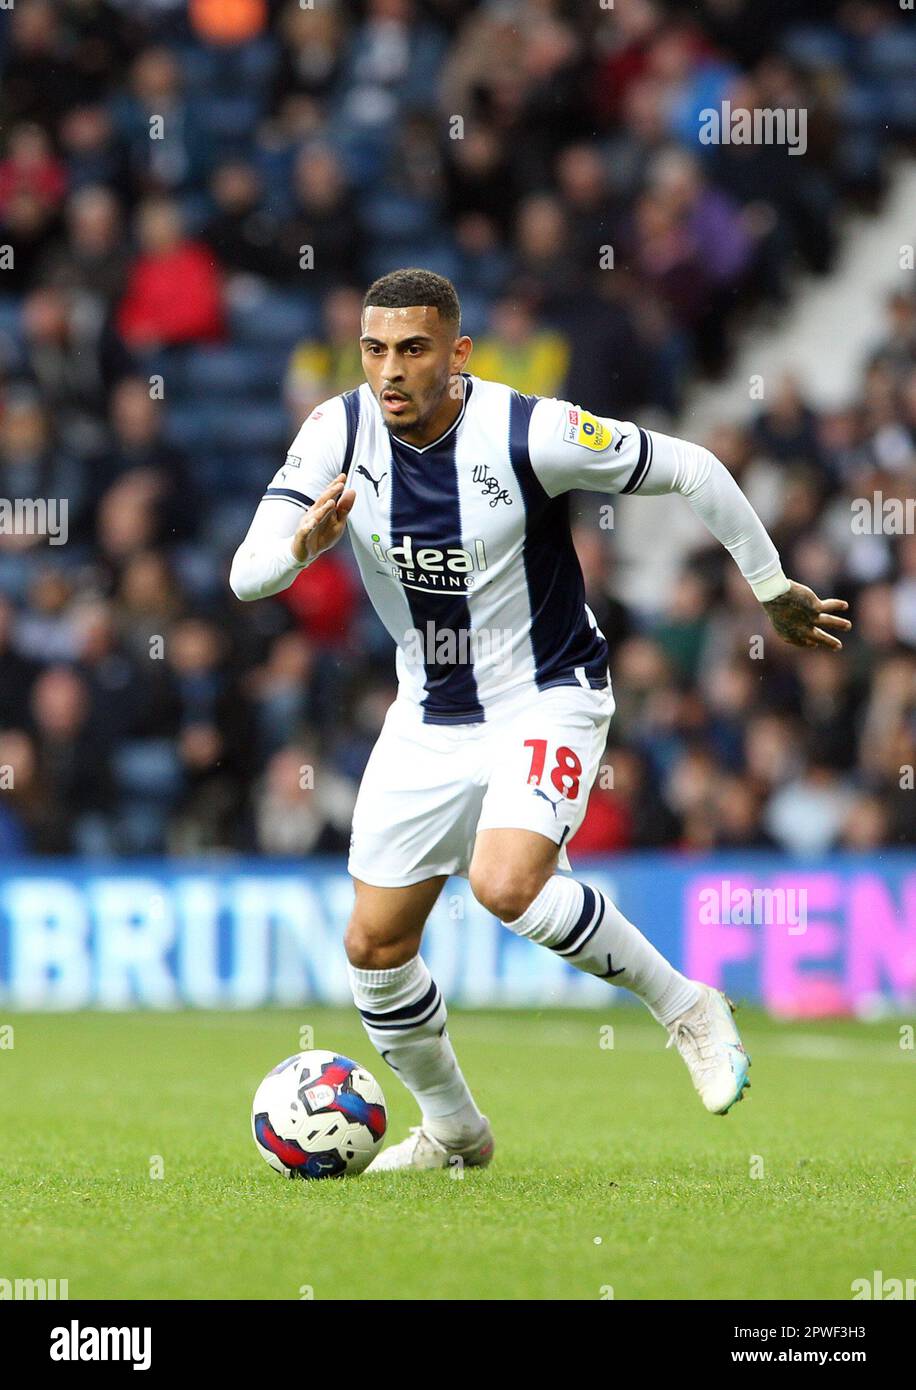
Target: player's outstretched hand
{"type": "Point", "coordinates": [805, 620]}
{"type": "Point", "coordinates": [325, 521]}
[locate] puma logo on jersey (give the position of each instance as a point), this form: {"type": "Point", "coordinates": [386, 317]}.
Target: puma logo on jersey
{"type": "Point", "coordinates": [554, 804]}
{"type": "Point", "coordinates": [366, 474]}
{"type": "Point", "coordinates": [619, 442]}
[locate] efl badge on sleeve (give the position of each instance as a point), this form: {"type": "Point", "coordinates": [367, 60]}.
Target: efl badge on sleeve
{"type": "Point", "coordinates": [586, 430]}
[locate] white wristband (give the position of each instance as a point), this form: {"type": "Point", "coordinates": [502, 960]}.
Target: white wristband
{"type": "Point", "coordinates": [771, 588]}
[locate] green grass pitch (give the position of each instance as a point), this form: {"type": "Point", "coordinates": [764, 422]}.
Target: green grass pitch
{"type": "Point", "coordinates": [608, 1172]}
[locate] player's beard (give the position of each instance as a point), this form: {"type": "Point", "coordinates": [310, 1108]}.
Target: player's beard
{"type": "Point", "coordinates": [401, 431]}
{"type": "Point", "coordinates": [418, 426]}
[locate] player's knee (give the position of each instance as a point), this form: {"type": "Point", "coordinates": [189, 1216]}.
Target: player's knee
{"type": "Point", "coordinates": [369, 950]}
{"type": "Point", "coordinates": [363, 950]}
{"type": "Point", "coordinates": [506, 892]}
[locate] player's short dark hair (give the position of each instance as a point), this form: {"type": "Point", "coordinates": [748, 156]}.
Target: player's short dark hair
{"type": "Point", "coordinates": [401, 289]}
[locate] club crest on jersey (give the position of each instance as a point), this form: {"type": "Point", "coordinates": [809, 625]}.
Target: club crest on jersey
{"type": "Point", "coordinates": [491, 486]}
{"type": "Point", "coordinates": [435, 569]}
{"type": "Point", "coordinates": [585, 429]}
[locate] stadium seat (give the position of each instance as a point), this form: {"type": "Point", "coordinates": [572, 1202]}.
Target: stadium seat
{"type": "Point", "coordinates": [257, 427]}
{"type": "Point", "coordinates": [196, 211]}
{"type": "Point", "coordinates": [815, 46]}
{"type": "Point", "coordinates": [142, 828]}
{"type": "Point", "coordinates": [11, 316]}
{"type": "Point", "coordinates": [475, 314]}
{"type": "Point", "coordinates": [232, 473]}
{"type": "Point", "coordinates": [228, 119]}
{"type": "Point", "coordinates": [275, 320]}
{"type": "Point", "coordinates": [230, 373]}
{"type": "Point", "coordinates": [901, 106]}
{"type": "Point", "coordinates": [890, 53]}
{"type": "Point", "coordinates": [200, 570]}
{"type": "Point", "coordinates": [392, 215]}
{"type": "Point", "coordinates": [148, 769]}
{"type": "Point", "coordinates": [229, 518]}
{"type": "Point", "coordinates": [226, 429]}
{"type": "Point", "coordinates": [219, 72]}
{"type": "Point", "coordinates": [188, 426]}
{"type": "Point", "coordinates": [94, 836]}
{"type": "Point", "coordinates": [435, 256]}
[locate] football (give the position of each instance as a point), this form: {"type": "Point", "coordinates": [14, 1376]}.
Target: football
{"type": "Point", "coordinates": [318, 1115]}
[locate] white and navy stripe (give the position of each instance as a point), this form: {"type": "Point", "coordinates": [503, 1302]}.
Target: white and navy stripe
{"type": "Point", "coordinates": [408, 1017]}
{"type": "Point", "coordinates": [289, 494]}
{"type": "Point", "coordinates": [426, 506]}
{"type": "Point", "coordinates": [644, 463]}
{"type": "Point", "coordinates": [585, 926]}
{"type": "Point", "coordinates": [351, 401]}
{"type": "Point", "coordinates": [486, 508]}
{"type": "Point", "coordinates": [567, 649]}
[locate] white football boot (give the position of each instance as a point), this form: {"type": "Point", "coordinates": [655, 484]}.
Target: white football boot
{"type": "Point", "coordinates": [708, 1041]}
{"type": "Point", "coordinates": [422, 1150]}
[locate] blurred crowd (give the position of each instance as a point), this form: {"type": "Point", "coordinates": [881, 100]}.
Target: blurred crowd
{"type": "Point", "coordinates": [193, 196]}
{"type": "Point", "coordinates": [727, 738]}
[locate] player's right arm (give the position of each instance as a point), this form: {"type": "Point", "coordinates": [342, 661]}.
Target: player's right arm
{"type": "Point", "coordinates": [303, 512]}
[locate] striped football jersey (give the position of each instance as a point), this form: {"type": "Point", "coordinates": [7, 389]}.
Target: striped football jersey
{"type": "Point", "coordinates": [464, 545]}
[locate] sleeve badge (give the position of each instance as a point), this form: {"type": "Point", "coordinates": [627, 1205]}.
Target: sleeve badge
{"type": "Point", "coordinates": [586, 430]}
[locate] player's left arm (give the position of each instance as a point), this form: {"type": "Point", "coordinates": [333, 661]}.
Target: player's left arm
{"type": "Point", "coordinates": [570, 448]}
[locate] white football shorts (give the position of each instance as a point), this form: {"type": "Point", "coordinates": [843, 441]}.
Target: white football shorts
{"type": "Point", "coordinates": [428, 788]}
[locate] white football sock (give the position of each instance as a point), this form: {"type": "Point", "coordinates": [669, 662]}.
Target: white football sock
{"type": "Point", "coordinates": [584, 927]}
{"type": "Point", "coordinates": [404, 1014]}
